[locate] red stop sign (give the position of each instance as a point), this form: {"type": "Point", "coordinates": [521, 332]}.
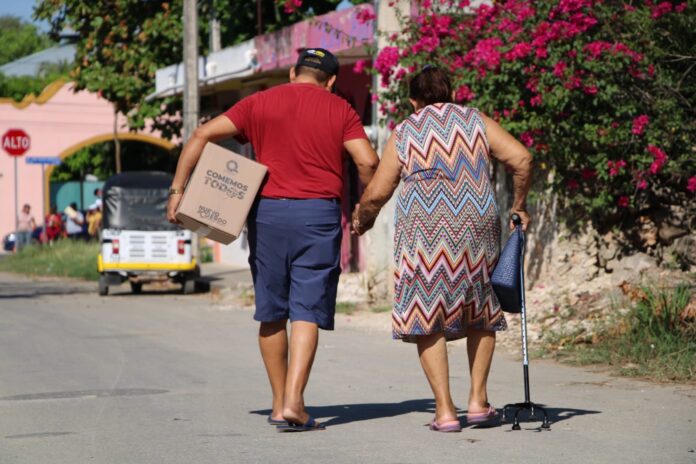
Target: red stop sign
{"type": "Point", "coordinates": [16, 142]}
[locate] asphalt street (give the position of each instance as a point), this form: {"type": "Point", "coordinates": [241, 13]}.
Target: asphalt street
{"type": "Point", "coordinates": [167, 378]}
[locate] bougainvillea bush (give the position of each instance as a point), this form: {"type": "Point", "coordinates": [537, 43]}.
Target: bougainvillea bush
{"type": "Point", "coordinates": [602, 92]}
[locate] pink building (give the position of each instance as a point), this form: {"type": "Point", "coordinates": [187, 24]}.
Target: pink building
{"type": "Point", "coordinates": [58, 122]}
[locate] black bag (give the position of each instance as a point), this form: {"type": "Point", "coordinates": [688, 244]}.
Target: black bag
{"type": "Point", "coordinates": [506, 277]}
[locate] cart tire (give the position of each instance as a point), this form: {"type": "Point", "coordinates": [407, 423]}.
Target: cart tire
{"type": "Point", "coordinates": [103, 286]}
{"type": "Point", "coordinates": [188, 286]}
{"type": "Point", "coordinates": [136, 287]}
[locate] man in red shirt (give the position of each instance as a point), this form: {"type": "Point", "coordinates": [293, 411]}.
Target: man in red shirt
{"type": "Point", "coordinates": [299, 131]}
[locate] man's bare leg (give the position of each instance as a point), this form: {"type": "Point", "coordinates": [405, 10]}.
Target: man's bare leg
{"type": "Point", "coordinates": [304, 337]}
{"type": "Point", "coordinates": [273, 341]}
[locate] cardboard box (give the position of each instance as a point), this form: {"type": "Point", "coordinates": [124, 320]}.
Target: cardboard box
{"type": "Point", "coordinates": [220, 193]}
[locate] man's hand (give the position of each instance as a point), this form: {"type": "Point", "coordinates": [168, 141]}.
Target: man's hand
{"type": "Point", "coordinates": [526, 219]}
{"type": "Point", "coordinates": [172, 205]}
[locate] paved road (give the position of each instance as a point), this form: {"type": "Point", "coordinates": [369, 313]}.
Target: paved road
{"type": "Point", "coordinates": [164, 378]}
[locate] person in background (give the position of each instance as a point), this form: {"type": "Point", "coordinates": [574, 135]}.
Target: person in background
{"type": "Point", "coordinates": [98, 194]}
{"type": "Point", "coordinates": [447, 234]}
{"type": "Point", "coordinates": [74, 222]}
{"type": "Point", "coordinates": [25, 226]}
{"type": "Point", "coordinates": [94, 218]}
{"type": "Point", "coordinates": [54, 225]}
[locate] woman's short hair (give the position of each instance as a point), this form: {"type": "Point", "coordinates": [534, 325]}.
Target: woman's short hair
{"type": "Point", "coordinates": [430, 85]}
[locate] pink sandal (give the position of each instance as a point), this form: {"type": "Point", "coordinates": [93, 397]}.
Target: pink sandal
{"type": "Point", "coordinates": [447, 426]}
{"type": "Point", "coordinates": [481, 417]}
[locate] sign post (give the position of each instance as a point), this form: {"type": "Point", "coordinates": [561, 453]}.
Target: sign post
{"type": "Point", "coordinates": [16, 142]}
{"type": "Point", "coordinates": [43, 161]}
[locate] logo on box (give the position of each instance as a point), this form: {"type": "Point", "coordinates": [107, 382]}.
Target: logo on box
{"type": "Point", "coordinates": [211, 215]}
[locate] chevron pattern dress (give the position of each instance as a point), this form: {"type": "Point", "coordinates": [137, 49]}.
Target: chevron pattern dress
{"type": "Point", "coordinates": [447, 236]}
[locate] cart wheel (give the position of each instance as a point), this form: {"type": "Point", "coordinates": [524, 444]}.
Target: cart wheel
{"type": "Point", "coordinates": [103, 286]}
{"type": "Point", "coordinates": [188, 286]}
{"type": "Point", "coordinates": [136, 287]}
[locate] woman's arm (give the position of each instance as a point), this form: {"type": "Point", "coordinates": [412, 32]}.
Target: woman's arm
{"type": "Point", "coordinates": [506, 149]}
{"type": "Point", "coordinates": [379, 190]}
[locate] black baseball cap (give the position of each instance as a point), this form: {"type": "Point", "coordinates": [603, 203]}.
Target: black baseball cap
{"type": "Point", "coordinates": [318, 58]}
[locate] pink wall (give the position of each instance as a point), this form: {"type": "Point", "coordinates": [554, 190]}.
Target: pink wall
{"type": "Point", "coordinates": [279, 49]}
{"type": "Point", "coordinates": [58, 122]}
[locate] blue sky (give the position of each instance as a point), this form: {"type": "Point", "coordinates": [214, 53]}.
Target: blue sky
{"type": "Point", "coordinates": [21, 8]}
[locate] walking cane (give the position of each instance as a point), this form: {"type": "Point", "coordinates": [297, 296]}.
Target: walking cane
{"type": "Point", "coordinates": [527, 404]}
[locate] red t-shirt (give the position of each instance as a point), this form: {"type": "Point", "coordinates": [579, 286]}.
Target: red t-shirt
{"type": "Point", "coordinates": [297, 131]}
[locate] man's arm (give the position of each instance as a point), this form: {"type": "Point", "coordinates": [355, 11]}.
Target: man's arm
{"type": "Point", "coordinates": [216, 129]}
{"type": "Point", "coordinates": [364, 157]}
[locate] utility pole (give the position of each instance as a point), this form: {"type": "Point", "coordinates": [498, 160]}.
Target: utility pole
{"type": "Point", "coordinates": [190, 68]}
{"type": "Point", "coordinates": [215, 41]}
{"type": "Point", "coordinates": [259, 18]}
{"type": "Point", "coordinates": [117, 142]}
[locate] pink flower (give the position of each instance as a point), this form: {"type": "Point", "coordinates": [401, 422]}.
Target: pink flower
{"type": "Point", "coordinates": [536, 100]}
{"type": "Point", "coordinates": [464, 94]}
{"type": "Point", "coordinates": [527, 139]}
{"type": "Point", "coordinates": [485, 54]}
{"type": "Point", "coordinates": [615, 167]}
{"type": "Point", "coordinates": [374, 97]}
{"type": "Point", "coordinates": [591, 90]}
{"type": "Point", "coordinates": [691, 184]}
{"type": "Point", "coordinates": [291, 6]}
{"type": "Point", "coordinates": [385, 63]}
{"type": "Point", "coordinates": [391, 124]}
{"type": "Point", "coordinates": [642, 184]}
{"type": "Point", "coordinates": [660, 159]}
{"type": "Point", "coordinates": [559, 69]}
{"type": "Point", "coordinates": [588, 174]}
{"type": "Point", "coordinates": [364, 15]}
{"type": "Point", "coordinates": [623, 201]}
{"type": "Point", "coordinates": [519, 51]}
{"type": "Point", "coordinates": [639, 124]}
{"type": "Point", "coordinates": [661, 9]}
{"type": "Point", "coordinates": [359, 67]}
{"type": "Point", "coordinates": [680, 8]}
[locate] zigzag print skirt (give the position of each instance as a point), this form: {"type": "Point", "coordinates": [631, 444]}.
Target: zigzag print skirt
{"type": "Point", "coordinates": [447, 243]}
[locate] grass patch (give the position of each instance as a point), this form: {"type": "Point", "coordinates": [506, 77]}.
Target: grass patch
{"type": "Point", "coordinates": [655, 338]}
{"type": "Point", "coordinates": [381, 308]}
{"type": "Point", "coordinates": [65, 258]}
{"type": "Point", "coordinates": [346, 308]}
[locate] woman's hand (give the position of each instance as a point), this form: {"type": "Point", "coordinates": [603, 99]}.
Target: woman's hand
{"type": "Point", "coordinates": [172, 205]}
{"type": "Point", "coordinates": [357, 227]}
{"type": "Point", "coordinates": [524, 216]}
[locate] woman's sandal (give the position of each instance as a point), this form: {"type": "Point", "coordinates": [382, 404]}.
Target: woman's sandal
{"type": "Point", "coordinates": [446, 426]}
{"type": "Point", "coordinates": [481, 417]}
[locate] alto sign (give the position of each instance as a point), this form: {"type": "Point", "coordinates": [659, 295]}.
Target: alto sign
{"type": "Point", "coordinates": [15, 142]}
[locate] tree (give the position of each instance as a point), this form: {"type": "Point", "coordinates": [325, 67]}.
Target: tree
{"type": "Point", "coordinates": [18, 87]}
{"type": "Point", "coordinates": [122, 44]}
{"type": "Point", "coordinates": [19, 38]}
{"type": "Point", "coordinates": [602, 92]}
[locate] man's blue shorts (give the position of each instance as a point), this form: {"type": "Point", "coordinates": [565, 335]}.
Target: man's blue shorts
{"type": "Point", "coordinates": [295, 259]}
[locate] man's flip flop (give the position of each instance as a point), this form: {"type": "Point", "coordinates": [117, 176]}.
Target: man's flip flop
{"type": "Point", "coordinates": [272, 421]}
{"type": "Point", "coordinates": [309, 426]}
{"type": "Point", "coordinates": [481, 417]}
{"type": "Point", "coordinates": [447, 426]}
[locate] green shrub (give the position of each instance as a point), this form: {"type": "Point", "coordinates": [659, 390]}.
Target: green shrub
{"type": "Point", "coordinates": [655, 338]}
{"type": "Point", "coordinates": [65, 258]}
{"type": "Point", "coordinates": [601, 92]}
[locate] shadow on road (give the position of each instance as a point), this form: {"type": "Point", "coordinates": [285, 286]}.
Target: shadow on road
{"type": "Point", "coordinates": [346, 413]}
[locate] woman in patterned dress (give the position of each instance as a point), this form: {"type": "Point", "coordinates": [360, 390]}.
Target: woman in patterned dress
{"type": "Point", "coordinates": [447, 235]}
